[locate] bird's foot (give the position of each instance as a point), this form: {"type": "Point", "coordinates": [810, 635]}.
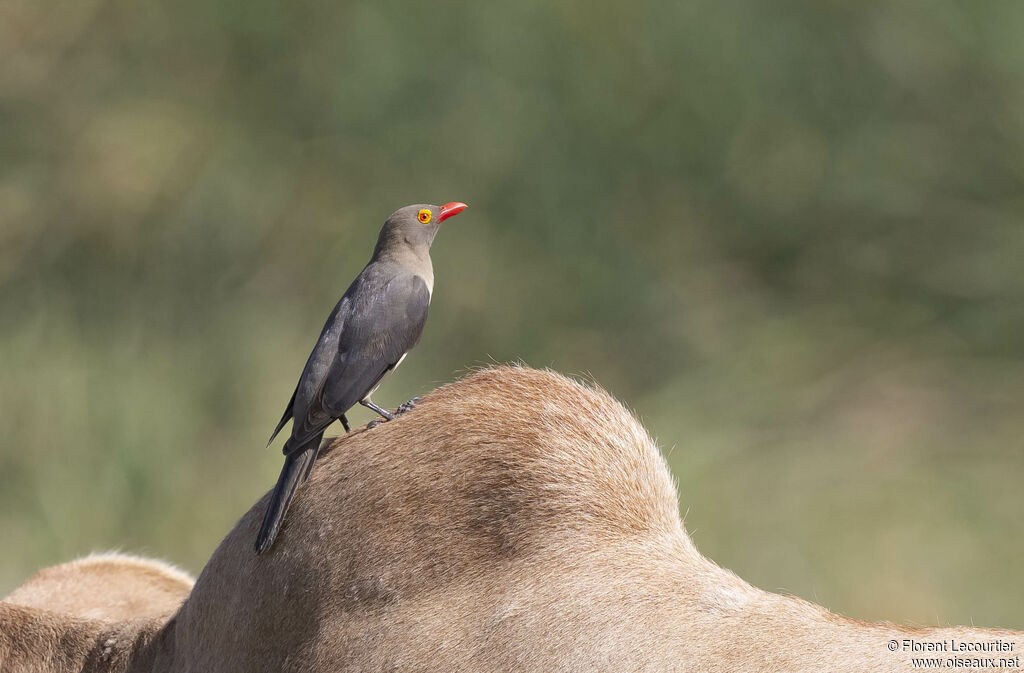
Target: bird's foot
{"type": "Point", "coordinates": [408, 406]}
{"type": "Point", "coordinates": [383, 412]}
{"type": "Point", "coordinates": [372, 424]}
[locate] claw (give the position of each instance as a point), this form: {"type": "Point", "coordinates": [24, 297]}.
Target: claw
{"type": "Point", "coordinates": [408, 406]}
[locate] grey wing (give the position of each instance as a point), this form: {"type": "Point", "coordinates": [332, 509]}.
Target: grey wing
{"type": "Point", "coordinates": [378, 332]}
{"type": "Point", "coordinates": [284, 418]}
{"type": "Point", "coordinates": [309, 416]}
{"type": "Point", "coordinates": [376, 338]}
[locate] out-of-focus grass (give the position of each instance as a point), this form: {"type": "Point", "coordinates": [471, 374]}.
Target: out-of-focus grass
{"type": "Point", "coordinates": [789, 236]}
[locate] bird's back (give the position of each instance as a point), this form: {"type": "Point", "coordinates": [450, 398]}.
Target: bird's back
{"type": "Point", "coordinates": [379, 318]}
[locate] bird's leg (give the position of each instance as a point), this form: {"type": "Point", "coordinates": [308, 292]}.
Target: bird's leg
{"type": "Point", "coordinates": [383, 412]}
{"type": "Point", "coordinates": [408, 406]}
{"type": "Point", "coordinates": [344, 423]}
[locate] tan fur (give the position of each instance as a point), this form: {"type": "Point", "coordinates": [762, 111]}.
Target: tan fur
{"type": "Point", "coordinates": [514, 521]}
{"type": "Point", "coordinates": [91, 614]}
{"type": "Point", "coordinates": [106, 586]}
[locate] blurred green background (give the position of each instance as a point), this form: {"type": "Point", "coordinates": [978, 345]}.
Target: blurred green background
{"type": "Point", "coordinates": [789, 235]}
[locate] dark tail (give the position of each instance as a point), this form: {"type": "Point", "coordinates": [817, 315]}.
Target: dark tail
{"type": "Point", "coordinates": [297, 466]}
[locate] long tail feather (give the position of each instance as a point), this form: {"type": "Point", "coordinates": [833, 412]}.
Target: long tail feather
{"type": "Point", "coordinates": [297, 466]}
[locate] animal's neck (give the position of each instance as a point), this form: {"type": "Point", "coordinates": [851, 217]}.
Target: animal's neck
{"type": "Point", "coordinates": [740, 627]}
{"type": "Point", "coordinates": [415, 259]}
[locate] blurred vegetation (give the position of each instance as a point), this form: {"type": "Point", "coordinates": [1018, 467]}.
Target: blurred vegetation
{"type": "Point", "coordinates": [787, 234]}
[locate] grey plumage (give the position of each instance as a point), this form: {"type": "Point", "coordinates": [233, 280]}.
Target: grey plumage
{"type": "Point", "coordinates": [378, 319]}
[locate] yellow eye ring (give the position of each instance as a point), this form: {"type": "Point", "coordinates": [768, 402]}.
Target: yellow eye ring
{"type": "Point", "coordinates": [424, 216]}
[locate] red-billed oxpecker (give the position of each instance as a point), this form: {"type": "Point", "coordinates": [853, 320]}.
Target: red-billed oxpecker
{"type": "Point", "coordinates": [379, 318]}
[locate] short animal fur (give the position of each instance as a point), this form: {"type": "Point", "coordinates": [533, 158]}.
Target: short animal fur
{"type": "Point", "coordinates": [514, 521]}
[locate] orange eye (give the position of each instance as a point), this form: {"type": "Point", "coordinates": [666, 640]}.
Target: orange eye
{"type": "Point", "coordinates": [424, 216]}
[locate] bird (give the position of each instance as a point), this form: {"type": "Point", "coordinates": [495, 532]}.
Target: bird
{"type": "Point", "coordinates": [367, 335]}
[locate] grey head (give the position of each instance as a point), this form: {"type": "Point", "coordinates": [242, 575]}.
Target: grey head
{"type": "Point", "coordinates": [415, 226]}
